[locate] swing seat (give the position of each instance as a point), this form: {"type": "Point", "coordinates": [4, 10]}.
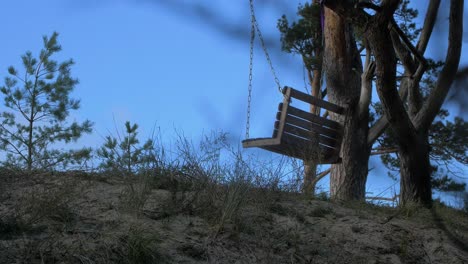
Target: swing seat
{"type": "Point", "coordinates": [300, 134]}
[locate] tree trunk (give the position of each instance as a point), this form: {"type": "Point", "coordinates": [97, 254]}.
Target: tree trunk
{"type": "Point", "coordinates": [310, 174]}
{"type": "Point", "coordinates": [413, 148]}
{"type": "Point", "coordinates": [310, 168]}
{"type": "Point", "coordinates": [415, 172]}
{"type": "Point", "coordinates": [315, 77]}
{"type": "Point", "coordinates": [411, 132]}
{"type": "Point", "coordinates": [343, 68]}
{"type": "Point", "coordinates": [29, 161]}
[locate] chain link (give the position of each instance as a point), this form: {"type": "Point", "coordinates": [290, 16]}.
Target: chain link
{"type": "Point", "coordinates": [262, 41]}
{"type": "Point", "coordinates": [252, 42]}
{"type": "Point", "coordinates": [256, 29]}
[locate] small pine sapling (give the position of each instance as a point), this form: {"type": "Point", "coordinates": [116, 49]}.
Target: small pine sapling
{"type": "Point", "coordinates": [38, 103]}
{"type": "Point", "coordinates": [126, 155]}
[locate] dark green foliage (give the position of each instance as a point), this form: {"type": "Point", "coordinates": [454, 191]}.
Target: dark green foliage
{"type": "Point", "coordinates": [39, 104]}
{"type": "Point", "coordinates": [449, 140]}
{"type": "Point", "coordinates": [127, 155]}
{"type": "Point", "coordinates": [446, 184]}
{"type": "Point", "coordinates": [429, 79]}
{"type": "Point", "coordinates": [405, 17]}
{"type": "Point", "coordinates": [303, 37]}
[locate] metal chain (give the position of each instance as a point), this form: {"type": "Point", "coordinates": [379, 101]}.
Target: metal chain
{"type": "Point", "coordinates": [252, 42]}
{"type": "Point", "coordinates": [256, 28]}
{"type": "Point", "coordinates": [260, 36]}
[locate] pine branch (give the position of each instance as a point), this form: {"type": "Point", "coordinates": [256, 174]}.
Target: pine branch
{"type": "Point", "coordinates": [16, 150]}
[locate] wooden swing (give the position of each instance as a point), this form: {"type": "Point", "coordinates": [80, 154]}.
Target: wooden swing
{"type": "Point", "coordinates": [296, 133]}
{"type": "Point", "coordinates": [301, 134]}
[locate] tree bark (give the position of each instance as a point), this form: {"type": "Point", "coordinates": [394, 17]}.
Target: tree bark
{"type": "Point", "coordinates": [343, 68]}
{"type": "Point", "coordinates": [413, 151]}
{"type": "Point", "coordinates": [433, 7]}
{"type": "Point", "coordinates": [415, 172]}
{"type": "Point", "coordinates": [411, 130]}
{"type": "Point", "coordinates": [310, 168]}
{"type": "Point", "coordinates": [432, 105]}
{"type": "Point", "coordinates": [315, 77]}
{"type": "Point", "coordinates": [415, 169]}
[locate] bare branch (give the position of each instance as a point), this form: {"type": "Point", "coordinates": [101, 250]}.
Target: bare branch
{"type": "Point", "coordinates": [366, 84]}
{"type": "Point", "coordinates": [381, 125]}
{"type": "Point", "coordinates": [436, 98]}
{"type": "Point", "coordinates": [320, 176]}
{"type": "Point", "coordinates": [403, 54]}
{"type": "Point", "coordinates": [394, 27]}
{"type": "Point", "coordinates": [384, 151]}
{"type": "Point", "coordinates": [429, 23]}
{"type": "Point", "coordinates": [382, 47]}
{"type": "Point", "coordinates": [394, 198]}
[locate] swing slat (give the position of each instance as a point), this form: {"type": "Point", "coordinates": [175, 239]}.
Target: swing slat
{"type": "Point", "coordinates": [331, 133]}
{"type": "Point", "coordinates": [306, 134]}
{"type": "Point", "coordinates": [315, 101]}
{"type": "Point", "coordinates": [313, 118]}
{"type": "Point", "coordinates": [304, 149]}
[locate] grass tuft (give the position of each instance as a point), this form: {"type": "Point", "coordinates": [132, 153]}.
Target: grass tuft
{"type": "Point", "coordinates": [140, 245]}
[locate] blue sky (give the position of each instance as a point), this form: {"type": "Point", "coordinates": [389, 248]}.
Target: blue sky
{"type": "Point", "coordinates": [149, 64]}
{"type": "Point", "coordinates": [160, 63]}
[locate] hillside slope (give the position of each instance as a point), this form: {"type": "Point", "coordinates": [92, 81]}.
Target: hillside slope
{"type": "Point", "coordinates": [79, 218]}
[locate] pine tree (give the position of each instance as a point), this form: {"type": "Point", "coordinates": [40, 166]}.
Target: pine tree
{"type": "Point", "coordinates": [304, 37]}
{"type": "Point", "coordinates": [38, 103]}
{"type": "Point", "coordinates": [446, 138]}
{"type": "Point", "coordinates": [126, 155]}
{"type": "Point", "coordinates": [409, 113]}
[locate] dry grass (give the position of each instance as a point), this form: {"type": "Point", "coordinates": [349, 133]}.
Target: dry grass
{"type": "Point", "coordinates": [201, 208]}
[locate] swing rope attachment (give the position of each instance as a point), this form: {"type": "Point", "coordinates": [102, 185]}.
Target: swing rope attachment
{"type": "Point", "coordinates": [255, 29]}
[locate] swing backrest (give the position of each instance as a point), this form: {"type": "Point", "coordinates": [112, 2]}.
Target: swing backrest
{"type": "Point", "coordinates": [297, 128]}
